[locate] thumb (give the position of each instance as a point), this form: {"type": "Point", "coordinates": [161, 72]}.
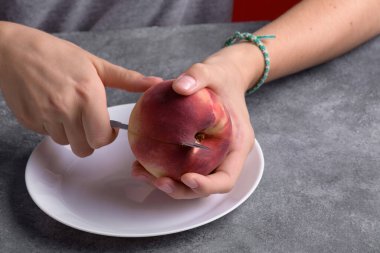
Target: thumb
{"type": "Point", "coordinates": [195, 78]}
{"type": "Point", "coordinates": [118, 77]}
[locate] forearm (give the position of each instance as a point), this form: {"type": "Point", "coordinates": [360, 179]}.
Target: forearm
{"type": "Point", "coordinates": [312, 32]}
{"type": "Point", "coordinates": [315, 31]}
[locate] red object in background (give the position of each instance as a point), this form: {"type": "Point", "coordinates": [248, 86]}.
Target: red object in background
{"type": "Point", "coordinates": [255, 10]}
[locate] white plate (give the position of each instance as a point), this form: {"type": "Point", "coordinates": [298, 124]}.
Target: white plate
{"type": "Point", "coordinates": [96, 194]}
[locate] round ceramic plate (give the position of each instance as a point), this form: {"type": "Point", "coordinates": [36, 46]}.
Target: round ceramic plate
{"type": "Point", "coordinates": [97, 194]}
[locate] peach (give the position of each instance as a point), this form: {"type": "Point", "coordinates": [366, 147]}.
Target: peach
{"type": "Point", "coordinates": [162, 120]}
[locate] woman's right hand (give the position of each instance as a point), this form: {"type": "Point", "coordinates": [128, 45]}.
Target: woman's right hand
{"type": "Point", "coordinates": [56, 88]}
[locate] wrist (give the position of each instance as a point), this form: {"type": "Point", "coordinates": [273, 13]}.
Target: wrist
{"type": "Point", "coordinates": [250, 61]}
{"type": "Point", "coordinates": [247, 61]}
{"type": "Point", "coordinates": [256, 40]}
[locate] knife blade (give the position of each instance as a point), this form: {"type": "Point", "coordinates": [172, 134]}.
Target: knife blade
{"type": "Point", "coordinates": [120, 125]}
{"type": "Point", "coordinates": [195, 145]}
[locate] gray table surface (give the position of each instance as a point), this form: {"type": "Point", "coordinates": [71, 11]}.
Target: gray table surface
{"type": "Point", "coordinates": [319, 131]}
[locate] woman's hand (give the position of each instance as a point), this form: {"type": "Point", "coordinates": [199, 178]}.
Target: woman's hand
{"type": "Point", "coordinates": [56, 88]}
{"type": "Point", "coordinates": [229, 76]}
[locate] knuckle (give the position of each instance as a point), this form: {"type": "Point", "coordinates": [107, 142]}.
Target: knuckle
{"type": "Point", "coordinates": [83, 90]}
{"type": "Point", "coordinates": [57, 104]}
{"type": "Point", "coordinates": [199, 68]}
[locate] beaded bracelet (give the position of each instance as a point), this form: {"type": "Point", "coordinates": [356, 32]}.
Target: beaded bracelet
{"type": "Point", "coordinates": [238, 36]}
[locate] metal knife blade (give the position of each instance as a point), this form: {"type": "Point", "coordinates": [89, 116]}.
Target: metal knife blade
{"type": "Point", "coordinates": [195, 145]}
{"type": "Point", "coordinates": [118, 124]}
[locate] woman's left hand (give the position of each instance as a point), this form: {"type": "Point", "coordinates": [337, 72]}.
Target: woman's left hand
{"type": "Point", "coordinates": [222, 73]}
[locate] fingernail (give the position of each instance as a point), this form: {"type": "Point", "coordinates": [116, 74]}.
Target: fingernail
{"type": "Point", "coordinates": [166, 188]}
{"type": "Point", "coordinates": [191, 183]}
{"type": "Point", "coordinates": [186, 82]}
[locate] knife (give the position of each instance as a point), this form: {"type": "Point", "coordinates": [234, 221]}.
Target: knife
{"type": "Point", "coordinates": [118, 124]}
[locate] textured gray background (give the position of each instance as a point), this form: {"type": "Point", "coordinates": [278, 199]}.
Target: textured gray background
{"type": "Point", "coordinates": [319, 131]}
